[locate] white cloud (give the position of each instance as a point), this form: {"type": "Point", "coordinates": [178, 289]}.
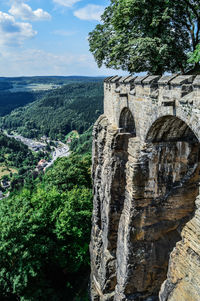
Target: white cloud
{"type": "Point", "coordinates": [90, 12]}
{"type": "Point", "coordinates": [67, 3]}
{"type": "Point", "coordinates": [13, 33]}
{"type": "Point", "coordinates": [25, 12]}
{"type": "Point", "coordinates": [39, 62]}
{"type": "Point", "coordinates": [14, 62]}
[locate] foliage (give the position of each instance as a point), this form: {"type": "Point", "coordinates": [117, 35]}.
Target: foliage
{"type": "Point", "coordinates": [44, 235]}
{"type": "Point", "coordinates": [15, 155]}
{"type": "Point", "coordinates": [83, 144]}
{"type": "Point", "coordinates": [72, 107]}
{"type": "Point", "coordinates": [45, 226]}
{"type": "Point", "coordinates": [195, 56]}
{"type": "Point", "coordinates": [72, 135]}
{"type": "Point", "coordinates": [14, 152]}
{"type": "Point", "coordinates": [12, 99]}
{"type": "Point", "coordinates": [141, 35]}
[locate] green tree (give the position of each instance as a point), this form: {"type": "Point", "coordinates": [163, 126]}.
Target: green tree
{"type": "Point", "coordinates": [147, 35]}
{"type": "Point", "coordinates": [194, 57]}
{"type": "Point", "coordinates": [44, 235]}
{"type": "Point", "coordinates": [75, 106]}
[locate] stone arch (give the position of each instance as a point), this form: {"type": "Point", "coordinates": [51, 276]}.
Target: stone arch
{"type": "Point", "coordinates": [171, 186]}
{"type": "Point", "coordinates": [170, 128]}
{"type": "Point", "coordinates": [192, 120]}
{"type": "Point", "coordinates": [162, 186]}
{"type": "Point", "coordinates": [127, 122]}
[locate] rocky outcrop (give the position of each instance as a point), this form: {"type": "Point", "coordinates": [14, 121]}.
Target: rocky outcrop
{"type": "Point", "coordinates": [145, 242]}
{"type": "Point", "coordinates": [109, 161]}
{"type": "Point", "coordinates": [183, 281]}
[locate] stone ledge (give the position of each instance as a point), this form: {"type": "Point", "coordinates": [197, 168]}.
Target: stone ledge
{"type": "Point", "coordinates": [174, 80]}
{"type": "Point", "coordinates": [166, 79]}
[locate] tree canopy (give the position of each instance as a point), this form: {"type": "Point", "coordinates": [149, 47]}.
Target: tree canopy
{"type": "Point", "coordinates": [45, 233]}
{"type": "Point", "coordinates": [147, 35]}
{"type": "Point", "coordinates": [75, 106]}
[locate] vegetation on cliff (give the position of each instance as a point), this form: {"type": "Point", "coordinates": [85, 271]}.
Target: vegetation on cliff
{"type": "Point", "coordinates": [82, 144]}
{"type": "Point", "coordinates": [154, 36]}
{"type": "Point", "coordinates": [45, 232]}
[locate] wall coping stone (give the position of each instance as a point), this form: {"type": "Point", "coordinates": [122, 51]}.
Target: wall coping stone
{"type": "Point", "coordinates": [174, 79]}
{"type": "Point", "coordinates": [115, 79]}
{"type": "Point", "coordinates": [139, 79]}
{"type": "Point", "coordinates": [182, 79]}
{"type": "Point", "coordinates": [151, 79]}
{"type": "Point", "coordinates": [130, 79]}
{"type": "Point", "coordinates": [124, 78]}
{"type": "Point", "coordinates": [166, 79]}
{"type": "Point", "coordinates": [196, 82]}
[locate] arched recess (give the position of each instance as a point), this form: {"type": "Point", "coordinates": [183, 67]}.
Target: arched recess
{"type": "Point", "coordinates": [170, 128]}
{"type": "Point", "coordinates": [173, 171]}
{"type": "Point", "coordinates": [166, 184]}
{"type": "Point", "coordinates": [126, 122]}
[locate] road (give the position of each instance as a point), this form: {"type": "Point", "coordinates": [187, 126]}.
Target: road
{"type": "Point", "coordinates": [61, 151]}
{"type": "Point", "coordinates": [32, 144]}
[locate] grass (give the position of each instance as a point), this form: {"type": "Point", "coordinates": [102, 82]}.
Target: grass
{"type": "Point", "coordinates": [5, 171]}
{"type": "Point", "coordinates": [73, 135]}
{"type": "Point", "coordinates": [33, 87]}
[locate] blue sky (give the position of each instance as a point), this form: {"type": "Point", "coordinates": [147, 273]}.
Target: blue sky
{"type": "Point", "coordinates": [48, 37]}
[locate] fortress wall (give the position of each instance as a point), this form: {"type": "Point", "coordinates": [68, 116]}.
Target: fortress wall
{"type": "Point", "coordinates": [145, 242]}
{"type": "Point", "coordinates": [150, 97]}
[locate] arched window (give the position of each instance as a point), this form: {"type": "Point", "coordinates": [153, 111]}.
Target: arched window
{"type": "Point", "coordinates": [126, 122]}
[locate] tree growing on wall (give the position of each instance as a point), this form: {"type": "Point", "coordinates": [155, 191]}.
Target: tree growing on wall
{"type": "Point", "coordinates": [147, 35]}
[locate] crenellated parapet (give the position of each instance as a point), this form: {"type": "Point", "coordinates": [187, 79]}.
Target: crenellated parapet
{"type": "Point", "coordinates": [155, 95]}
{"type": "Point", "coordinates": [173, 87]}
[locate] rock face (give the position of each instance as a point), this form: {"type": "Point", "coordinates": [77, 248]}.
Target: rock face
{"type": "Point", "coordinates": [145, 242]}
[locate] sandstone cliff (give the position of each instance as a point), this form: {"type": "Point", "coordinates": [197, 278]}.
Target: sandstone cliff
{"type": "Point", "coordinates": [145, 237]}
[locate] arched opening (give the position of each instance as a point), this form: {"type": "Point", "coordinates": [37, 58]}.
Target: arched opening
{"type": "Point", "coordinates": [171, 188]}
{"type": "Point", "coordinates": [126, 122]}
{"type": "Point", "coordinates": [165, 181]}
{"type": "Point", "coordinates": [169, 129]}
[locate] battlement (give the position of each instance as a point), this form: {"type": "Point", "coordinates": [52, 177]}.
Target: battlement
{"type": "Point", "coordinates": [156, 87]}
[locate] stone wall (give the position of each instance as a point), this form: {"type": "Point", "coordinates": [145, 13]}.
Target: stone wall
{"type": "Point", "coordinates": [145, 242]}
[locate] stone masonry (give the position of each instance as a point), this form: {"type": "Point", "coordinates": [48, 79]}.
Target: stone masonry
{"type": "Point", "coordinates": [145, 242]}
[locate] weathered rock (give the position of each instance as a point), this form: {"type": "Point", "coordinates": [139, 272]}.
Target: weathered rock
{"type": "Point", "coordinates": [145, 235]}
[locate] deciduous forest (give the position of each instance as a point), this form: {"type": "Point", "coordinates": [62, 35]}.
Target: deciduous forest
{"type": "Point", "coordinates": [45, 222]}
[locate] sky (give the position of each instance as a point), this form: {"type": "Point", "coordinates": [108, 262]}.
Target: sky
{"type": "Point", "coordinates": [49, 37]}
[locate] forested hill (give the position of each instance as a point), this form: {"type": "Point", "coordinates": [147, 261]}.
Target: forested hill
{"type": "Point", "coordinates": [74, 106]}
{"type": "Point", "coordinates": [44, 235]}
{"type": "Point", "coordinates": [19, 91]}
{"type": "Point", "coordinates": [45, 256]}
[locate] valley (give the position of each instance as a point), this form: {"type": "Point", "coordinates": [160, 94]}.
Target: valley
{"type": "Point", "coordinates": [56, 149]}
{"type": "Point", "coordinates": [45, 183]}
